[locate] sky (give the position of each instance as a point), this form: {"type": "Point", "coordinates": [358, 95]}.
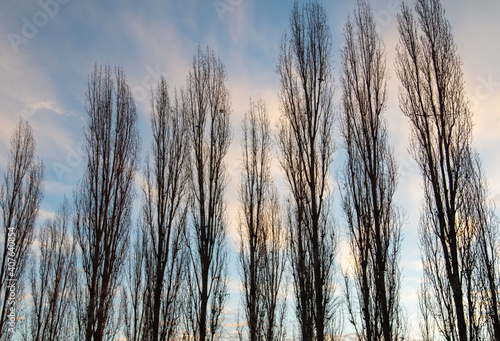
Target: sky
{"type": "Point", "coordinates": [49, 47]}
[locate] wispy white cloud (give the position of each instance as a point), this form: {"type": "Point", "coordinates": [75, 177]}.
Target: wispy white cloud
{"type": "Point", "coordinates": [45, 81]}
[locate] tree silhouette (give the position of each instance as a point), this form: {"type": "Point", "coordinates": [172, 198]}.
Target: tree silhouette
{"type": "Point", "coordinates": [20, 196]}
{"type": "Point", "coordinates": [164, 214]}
{"type": "Point", "coordinates": [52, 279]}
{"type": "Point", "coordinates": [370, 179]}
{"type": "Point", "coordinates": [307, 146]}
{"type": "Point", "coordinates": [104, 197]}
{"type": "Point", "coordinates": [261, 252]}
{"type": "Point", "coordinates": [454, 225]}
{"type": "Point", "coordinates": [207, 105]}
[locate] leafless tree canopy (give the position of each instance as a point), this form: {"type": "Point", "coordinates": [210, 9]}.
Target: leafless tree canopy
{"type": "Point", "coordinates": [20, 197]}
{"type": "Point", "coordinates": [103, 199]}
{"type": "Point", "coordinates": [274, 288]}
{"type": "Point", "coordinates": [164, 213]}
{"type": "Point", "coordinates": [487, 276]}
{"type": "Point", "coordinates": [207, 104]}
{"type": "Point", "coordinates": [451, 232]}
{"type": "Point", "coordinates": [369, 183]}
{"type": "Point", "coordinates": [134, 298]}
{"type": "Point", "coordinates": [52, 280]}
{"type": "Point", "coordinates": [307, 146]}
{"type": "Point", "coordinates": [98, 272]}
{"type": "Point", "coordinates": [262, 240]}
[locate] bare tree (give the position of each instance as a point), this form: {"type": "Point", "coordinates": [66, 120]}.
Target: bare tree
{"type": "Point", "coordinates": [207, 104]}
{"type": "Point", "coordinates": [80, 297]}
{"type": "Point", "coordinates": [307, 147]}
{"type": "Point", "coordinates": [487, 273]}
{"type": "Point", "coordinates": [134, 291]}
{"type": "Point", "coordinates": [164, 213]}
{"type": "Point", "coordinates": [261, 240]}
{"type": "Point", "coordinates": [274, 281]}
{"type": "Point", "coordinates": [51, 316]}
{"type": "Point", "coordinates": [451, 231]}
{"type": "Point", "coordinates": [369, 183]}
{"type": "Point", "coordinates": [20, 196]}
{"type": "Point", "coordinates": [427, 327]}
{"type": "Point", "coordinates": [489, 278]}
{"type": "Point", "coordinates": [104, 197]}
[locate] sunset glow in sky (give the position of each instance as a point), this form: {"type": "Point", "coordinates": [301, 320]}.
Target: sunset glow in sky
{"type": "Point", "coordinates": [48, 48]}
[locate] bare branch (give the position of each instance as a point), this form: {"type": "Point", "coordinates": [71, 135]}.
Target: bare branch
{"type": "Point", "coordinates": [207, 105]}
{"type": "Point", "coordinates": [164, 213]}
{"type": "Point", "coordinates": [52, 281]}
{"type": "Point", "coordinates": [307, 146]}
{"type": "Point", "coordinates": [453, 223]}
{"type": "Point", "coordinates": [261, 247]}
{"type": "Point", "coordinates": [20, 197]}
{"type": "Point", "coordinates": [369, 183]}
{"type": "Point", "coordinates": [104, 198]}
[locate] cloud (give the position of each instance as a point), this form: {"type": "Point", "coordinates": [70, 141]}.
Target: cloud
{"type": "Point", "coordinates": [44, 214]}
{"type": "Point", "coordinates": [21, 89]}
{"type": "Point", "coordinates": [45, 82]}
{"type": "Point", "coordinates": [345, 257]}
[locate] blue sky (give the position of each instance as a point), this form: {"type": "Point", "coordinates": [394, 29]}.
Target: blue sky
{"type": "Point", "coordinates": [48, 47]}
